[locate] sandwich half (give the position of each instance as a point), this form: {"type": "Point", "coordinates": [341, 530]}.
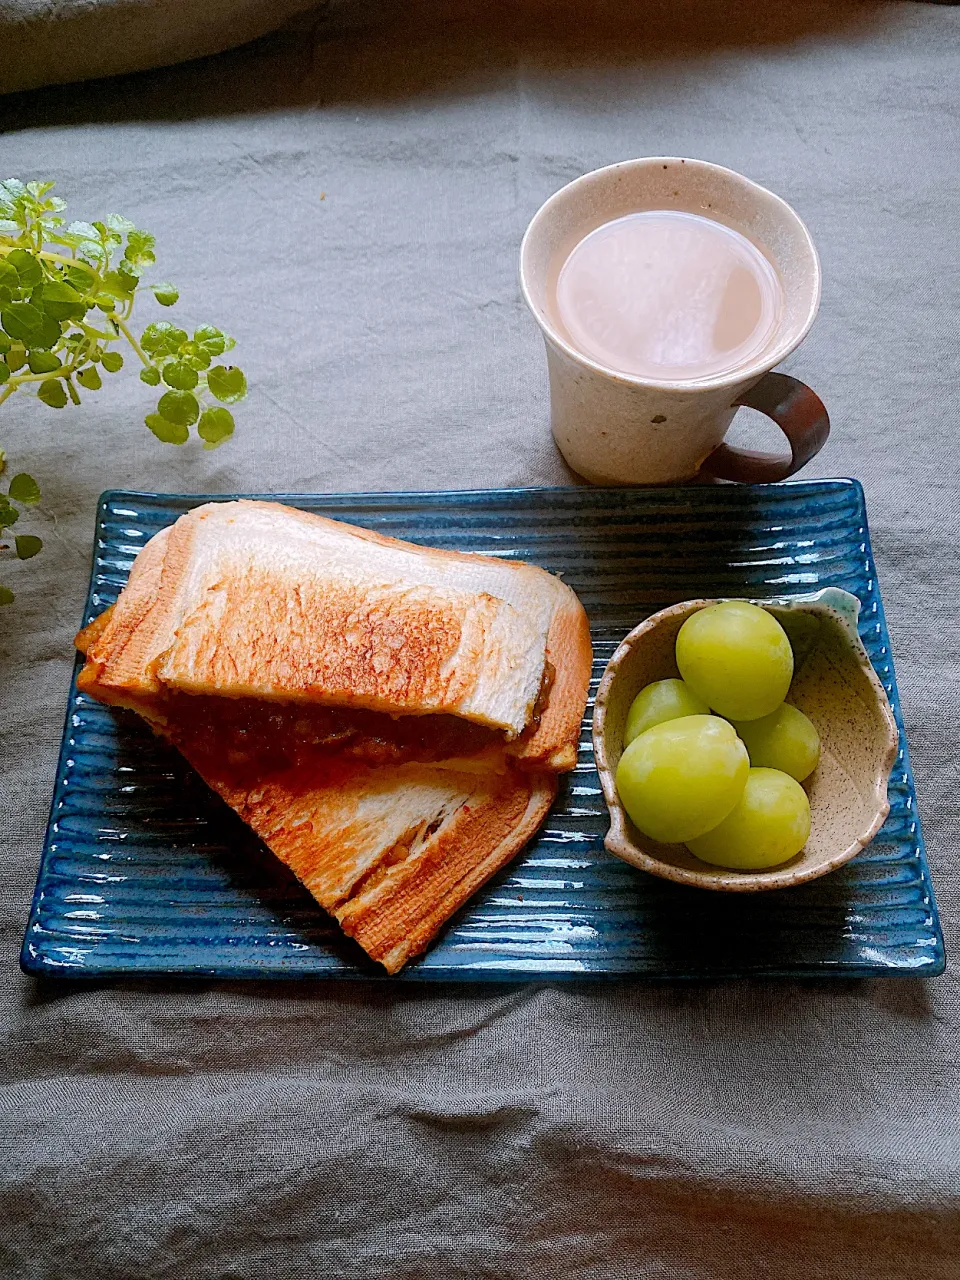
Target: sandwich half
{"type": "Point", "coordinates": [255, 599]}
{"type": "Point", "coordinates": [390, 719]}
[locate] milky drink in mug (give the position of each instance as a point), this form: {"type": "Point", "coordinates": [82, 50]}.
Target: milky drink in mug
{"type": "Point", "coordinates": [666, 290]}
{"type": "Point", "coordinates": [667, 294]}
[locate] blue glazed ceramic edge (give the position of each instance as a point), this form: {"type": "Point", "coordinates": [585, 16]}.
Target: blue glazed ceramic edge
{"type": "Point", "coordinates": [938, 958]}
{"type": "Point", "coordinates": [36, 964]}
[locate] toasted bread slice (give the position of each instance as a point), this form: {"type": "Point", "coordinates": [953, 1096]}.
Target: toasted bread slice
{"type": "Point", "coordinates": [255, 599]}
{"type": "Point", "coordinates": [391, 852]}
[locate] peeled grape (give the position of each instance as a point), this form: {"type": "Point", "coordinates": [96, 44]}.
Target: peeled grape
{"type": "Point", "coordinates": [737, 657]}
{"type": "Point", "coordinates": [682, 777]}
{"type": "Point", "coordinates": [784, 740]}
{"type": "Point", "coordinates": [660, 701]}
{"type": "Point", "coordinates": [768, 825]}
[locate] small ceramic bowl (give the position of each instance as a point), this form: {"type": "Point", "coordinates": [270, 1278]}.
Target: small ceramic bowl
{"type": "Point", "coordinates": [833, 683]}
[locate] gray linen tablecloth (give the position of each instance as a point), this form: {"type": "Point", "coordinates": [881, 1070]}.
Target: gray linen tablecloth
{"type": "Point", "coordinates": [349, 203]}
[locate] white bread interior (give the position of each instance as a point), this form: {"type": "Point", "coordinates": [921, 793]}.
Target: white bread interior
{"type": "Point", "coordinates": [260, 600]}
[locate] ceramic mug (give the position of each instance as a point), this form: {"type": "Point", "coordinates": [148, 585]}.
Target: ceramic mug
{"type": "Point", "coordinates": [619, 428]}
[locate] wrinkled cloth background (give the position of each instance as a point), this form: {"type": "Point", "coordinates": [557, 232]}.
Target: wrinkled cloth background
{"type": "Point", "coordinates": [348, 200]}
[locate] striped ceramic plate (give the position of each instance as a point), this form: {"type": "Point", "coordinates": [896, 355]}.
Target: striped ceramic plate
{"type": "Point", "coordinates": [145, 871]}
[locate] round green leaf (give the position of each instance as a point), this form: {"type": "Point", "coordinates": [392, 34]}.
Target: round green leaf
{"type": "Point", "coordinates": [6, 596]}
{"type": "Point", "coordinates": [90, 378]}
{"type": "Point", "coordinates": [165, 430]}
{"type": "Point", "coordinates": [53, 393]}
{"type": "Point", "coordinates": [156, 336]}
{"type": "Point", "coordinates": [79, 276]}
{"type": "Point", "coordinates": [16, 358]}
{"type": "Point", "coordinates": [227, 383]}
{"type": "Point", "coordinates": [8, 515]}
{"type": "Point", "coordinates": [117, 285]}
{"type": "Point", "coordinates": [210, 339]}
{"type": "Point", "coordinates": [150, 375]}
{"type": "Point", "coordinates": [21, 320]}
{"type": "Point", "coordinates": [26, 266]}
{"type": "Point", "coordinates": [162, 338]}
{"type": "Point", "coordinates": [179, 407]}
{"type": "Point", "coordinates": [4, 372]}
{"type": "Point", "coordinates": [195, 355]}
{"type": "Point", "coordinates": [181, 375]}
{"type": "Point", "coordinates": [43, 361]}
{"type": "Point", "coordinates": [24, 488]}
{"type": "Point", "coordinates": [27, 546]}
{"type": "Point", "coordinates": [91, 251]}
{"type": "Point", "coordinates": [4, 343]}
{"type": "Point", "coordinates": [129, 275]}
{"type": "Point", "coordinates": [85, 230]}
{"type": "Point", "coordinates": [48, 334]}
{"type": "Point", "coordinates": [215, 426]}
{"type": "Point", "coordinates": [140, 246]}
{"type": "Point", "coordinates": [166, 294]}
{"type": "Point", "coordinates": [62, 301]}
{"type": "Point", "coordinates": [112, 361]}
{"type": "Point", "coordinates": [9, 276]}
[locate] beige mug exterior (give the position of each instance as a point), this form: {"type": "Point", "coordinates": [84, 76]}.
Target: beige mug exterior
{"type": "Point", "coordinates": [617, 428]}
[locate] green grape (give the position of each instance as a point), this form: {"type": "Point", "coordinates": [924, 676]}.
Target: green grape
{"type": "Point", "coordinates": [784, 740]}
{"type": "Point", "coordinates": [737, 657]}
{"type": "Point", "coordinates": [660, 701]}
{"type": "Point", "coordinates": [682, 777]}
{"type": "Point", "coordinates": [768, 825]}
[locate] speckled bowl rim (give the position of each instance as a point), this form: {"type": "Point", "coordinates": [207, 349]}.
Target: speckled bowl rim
{"type": "Point", "coordinates": [618, 840]}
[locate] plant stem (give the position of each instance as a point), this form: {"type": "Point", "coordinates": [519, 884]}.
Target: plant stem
{"type": "Point", "coordinates": [129, 337]}
{"type": "Point", "coordinates": [65, 371]}
{"type": "Point", "coordinates": [53, 257]}
{"type": "Point", "coordinates": [19, 378]}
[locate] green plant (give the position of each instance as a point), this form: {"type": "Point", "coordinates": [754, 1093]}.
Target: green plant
{"type": "Point", "coordinates": [67, 292]}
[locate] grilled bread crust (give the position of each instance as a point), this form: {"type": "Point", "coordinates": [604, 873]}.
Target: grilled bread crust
{"type": "Point", "coordinates": [230, 621]}
{"type": "Point", "coordinates": [390, 853]}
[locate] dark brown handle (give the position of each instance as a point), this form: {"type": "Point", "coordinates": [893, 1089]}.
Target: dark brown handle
{"type": "Point", "coordinates": [800, 415]}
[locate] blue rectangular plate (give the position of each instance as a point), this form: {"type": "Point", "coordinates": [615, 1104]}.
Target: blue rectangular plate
{"type": "Point", "coordinates": [145, 871]}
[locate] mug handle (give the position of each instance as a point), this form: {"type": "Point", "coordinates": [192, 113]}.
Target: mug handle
{"type": "Point", "coordinates": [800, 415]}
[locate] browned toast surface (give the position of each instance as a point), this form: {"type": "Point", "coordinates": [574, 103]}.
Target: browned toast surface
{"type": "Point", "coordinates": [248, 638]}
{"type": "Point", "coordinates": [257, 599]}
{"type": "Point", "coordinates": [391, 850]}
{"type": "Point", "coordinates": [283, 692]}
